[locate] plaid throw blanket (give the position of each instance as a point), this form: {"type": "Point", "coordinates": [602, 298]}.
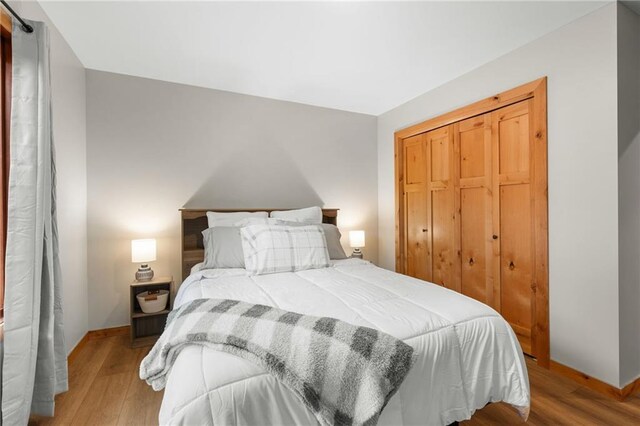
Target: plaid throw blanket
{"type": "Point", "coordinates": [343, 373]}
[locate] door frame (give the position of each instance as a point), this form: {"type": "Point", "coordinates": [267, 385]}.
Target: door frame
{"type": "Point", "coordinates": [537, 92]}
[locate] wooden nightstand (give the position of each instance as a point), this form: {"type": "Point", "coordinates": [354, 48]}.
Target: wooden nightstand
{"type": "Point", "coordinates": [146, 328]}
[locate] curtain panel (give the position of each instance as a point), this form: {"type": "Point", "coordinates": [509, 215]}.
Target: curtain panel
{"type": "Point", "coordinates": [34, 368]}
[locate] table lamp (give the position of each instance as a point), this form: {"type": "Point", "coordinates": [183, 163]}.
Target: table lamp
{"type": "Point", "coordinates": [356, 241]}
{"type": "Point", "coordinates": [143, 251]}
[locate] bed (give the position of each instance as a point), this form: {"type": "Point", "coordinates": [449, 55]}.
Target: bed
{"type": "Point", "coordinates": [466, 354]}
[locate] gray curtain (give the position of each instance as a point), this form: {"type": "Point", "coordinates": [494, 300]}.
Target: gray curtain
{"type": "Point", "coordinates": [34, 368]}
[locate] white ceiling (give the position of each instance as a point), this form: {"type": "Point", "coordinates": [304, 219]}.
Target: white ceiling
{"type": "Point", "coordinates": [358, 56]}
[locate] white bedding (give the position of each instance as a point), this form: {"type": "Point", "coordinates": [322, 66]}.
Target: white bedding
{"type": "Point", "coordinates": [468, 355]}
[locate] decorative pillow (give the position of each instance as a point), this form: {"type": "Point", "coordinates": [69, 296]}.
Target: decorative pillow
{"type": "Point", "coordinates": [308, 215]}
{"type": "Point", "coordinates": [270, 249]}
{"type": "Point", "coordinates": [228, 219]}
{"type": "Point", "coordinates": [222, 248]}
{"type": "Point", "coordinates": [331, 234]}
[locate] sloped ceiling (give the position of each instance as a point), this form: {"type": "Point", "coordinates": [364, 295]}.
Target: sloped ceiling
{"type": "Point", "coordinates": [366, 57]}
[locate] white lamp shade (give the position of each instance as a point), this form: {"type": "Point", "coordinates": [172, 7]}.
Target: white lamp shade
{"type": "Point", "coordinates": [356, 239]}
{"type": "Point", "coordinates": [143, 251]}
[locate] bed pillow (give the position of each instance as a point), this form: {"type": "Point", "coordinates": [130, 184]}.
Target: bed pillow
{"type": "Point", "coordinates": [259, 221]}
{"type": "Point", "coordinates": [269, 249]}
{"type": "Point", "coordinates": [229, 218]}
{"type": "Point", "coordinates": [308, 215]}
{"type": "Point", "coordinates": [222, 248]}
{"type": "Point", "coordinates": [331, 234]}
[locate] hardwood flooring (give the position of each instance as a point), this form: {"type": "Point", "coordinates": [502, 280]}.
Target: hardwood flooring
{"type": "Point", "coordinates": [104, 389]}
{"type": "Point", "coordinates": [556, 400]}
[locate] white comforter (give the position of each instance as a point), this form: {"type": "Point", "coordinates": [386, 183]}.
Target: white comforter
{"type": "Point", "coordinates": [467, 354]}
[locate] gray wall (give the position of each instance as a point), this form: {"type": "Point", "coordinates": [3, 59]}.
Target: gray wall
{"type": "Point", "coordinates": [154, 147]}
{"type": "Point", "coordinates": [69, 132]}
{"type": "Point", "coordinates": [629, 191]}
{"type": "Point", "coordinates": [580, 62]}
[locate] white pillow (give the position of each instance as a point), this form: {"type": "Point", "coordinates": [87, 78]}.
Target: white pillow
{"type": "Point", "coordinates": [270, 249]}
{"type": "Point", "coordinates": [259, 221]}
{"type": "Point", "coordinates": [228, 219]}
{"type": "Point", "coordinates": [308, 215]}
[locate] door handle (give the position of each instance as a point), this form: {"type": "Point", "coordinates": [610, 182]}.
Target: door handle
{"type": "Point", "coordinates": [424, 229]}
{"type": "Point", "coordinates": [495, 237]}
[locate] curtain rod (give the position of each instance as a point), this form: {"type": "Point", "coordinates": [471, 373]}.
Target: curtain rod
{"type": "Point", "coordinates": [25, 27]}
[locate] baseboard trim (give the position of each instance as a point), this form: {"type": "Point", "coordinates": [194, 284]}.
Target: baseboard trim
{"type": "Point", "coordinates": [96, 334]}
{"type": "Point", "coordinates": [631, 389]}
{"type": "Point", "coordinates": [76, 350]}
{"type": "Point", "coordinates": [108, 332]}
{"type": "Point", "coordinates": [595, 384]}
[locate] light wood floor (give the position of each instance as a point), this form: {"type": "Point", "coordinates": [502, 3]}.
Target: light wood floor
{"type": "Point", "coordinates": [105, 390]}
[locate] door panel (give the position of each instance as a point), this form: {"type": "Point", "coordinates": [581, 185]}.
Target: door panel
{"type": "Point", "coordinates": [473, 243]}
{"type": "Point", "coordinates": [438, 141]}
{"type": "Point", "coordinates": [442, 211]}
{"type": "Point", "coordinates": [415, 200]}
{"type": "Point", "coordinates": [476, 244]}
{"type": "Point", "coordinates": [418, 264]}
{"type": "Point", "coordinates": [415, 166]}
{"type": "Point", "coordinates": [472, 152]}
{"type": "Point", "coordinates": [516, 258]}
{"type": "Point", "coordinates": [514, 144]}
{"type": "Point", "coordinates": [513, 218]}
{"type": "Point", "coordinates": [441, 205]}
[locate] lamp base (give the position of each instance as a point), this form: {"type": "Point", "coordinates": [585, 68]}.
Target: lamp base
{"type": "Point", "coordinates": [144, 273]}
{"type": "Point", "coordinates": [357, 254]}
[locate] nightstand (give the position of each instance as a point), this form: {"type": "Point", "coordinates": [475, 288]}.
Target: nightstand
{"type": "Point", "coordinates": [146, 328]}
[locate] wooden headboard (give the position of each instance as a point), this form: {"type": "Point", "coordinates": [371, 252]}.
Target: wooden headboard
{"type": "Point", "coordinates": [194, 221]}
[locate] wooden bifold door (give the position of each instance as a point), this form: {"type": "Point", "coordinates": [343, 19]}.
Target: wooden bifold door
{"type": "Point", "coordinates": [471, 199]}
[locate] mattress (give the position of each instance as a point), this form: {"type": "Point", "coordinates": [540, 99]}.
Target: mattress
{"type": "Point", "coordinates": [466, 353]}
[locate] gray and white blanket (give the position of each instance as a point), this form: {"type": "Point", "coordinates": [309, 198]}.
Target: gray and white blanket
{"type": "Point", "coordinates": [344, 374]}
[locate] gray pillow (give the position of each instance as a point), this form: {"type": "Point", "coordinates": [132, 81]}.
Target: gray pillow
{"type": "Point", "coordinates": [222, 248]}
{"type": "Point", "coordinates": [331, 234]}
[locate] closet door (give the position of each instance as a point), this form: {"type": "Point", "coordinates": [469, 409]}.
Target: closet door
{"type": "Point", "coordinates": [513, 220]}
{"type": "Point", "coordinates": [473, 154]}
{"type": "Point", "coordinates": [471, 203]}
{"type": "Point", "coordinates": [441, 207]}
{"type": "Point", "coordinates": [417, 253]}
{"type": "Point", "coordinates": [429, 225]}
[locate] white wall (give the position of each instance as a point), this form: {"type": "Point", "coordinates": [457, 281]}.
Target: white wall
{"type": "Point", "coordinates": [580, 62]}
{"type": "Point", "coordinates": [154, 147]}
{"type": "Point", "coordinates": [629, 191]}
{"type": "Point", "coordinates": [69, 132]}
